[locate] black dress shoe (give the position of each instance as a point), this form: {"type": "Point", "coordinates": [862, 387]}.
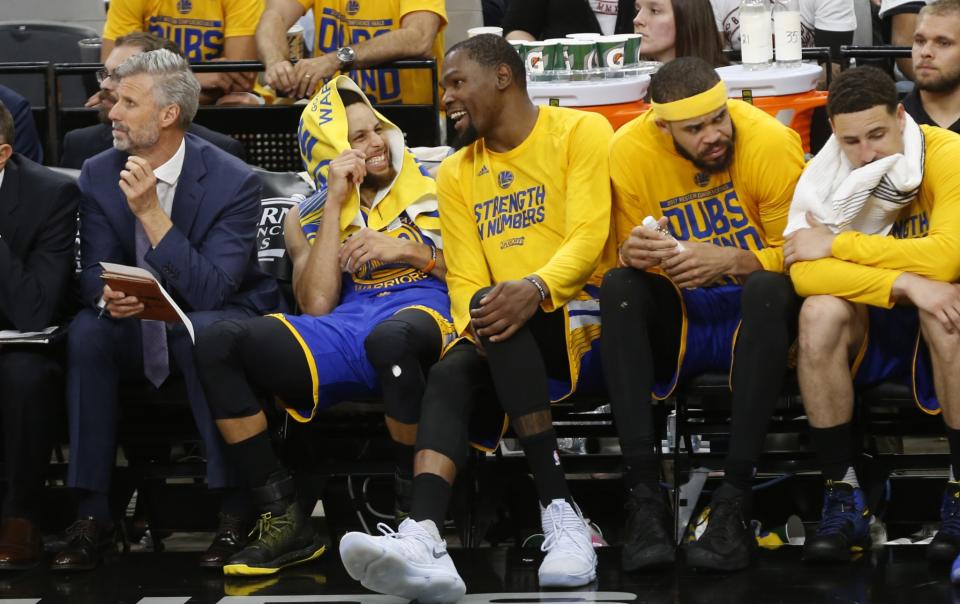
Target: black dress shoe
{"type": "Point", "coordinates": [230, 539]}
{"type": "Point", "coordinates": [87, 541]}
{"type": "Point", "coordinates": [20, 544]}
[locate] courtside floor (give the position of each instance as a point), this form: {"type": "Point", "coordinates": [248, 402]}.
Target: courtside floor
{"type": "Point", "coordinates": [497, 576]}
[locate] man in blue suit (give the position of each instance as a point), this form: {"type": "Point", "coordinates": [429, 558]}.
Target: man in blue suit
{"type": "Point", "coordinates": [179, 207]}
{"type": "Point", "coordinates": [28, 141]}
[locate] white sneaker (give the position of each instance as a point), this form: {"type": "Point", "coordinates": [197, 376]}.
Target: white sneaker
{"type": "Point", "coordinates": [570, 559]}
{"type": "Point", "coordinates": [412, 563]}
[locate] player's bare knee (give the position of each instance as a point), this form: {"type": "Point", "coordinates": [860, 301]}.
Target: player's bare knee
{"type": "Point", "coordinates": [825, 323]}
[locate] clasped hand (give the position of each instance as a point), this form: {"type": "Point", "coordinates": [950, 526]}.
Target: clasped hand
{"type": "Point", "coordinates": [808, 244]}
{"type": "Point", "coordinates": [695, 265]}
{"type": "Point", "coordinates": [505, 309]}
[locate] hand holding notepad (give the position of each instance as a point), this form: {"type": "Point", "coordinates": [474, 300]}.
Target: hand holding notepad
{"type": "Point", "coordinates": [140, 283]}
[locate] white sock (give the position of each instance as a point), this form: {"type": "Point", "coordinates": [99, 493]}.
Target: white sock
{"type": "Point", "coordinates": [851, 478]}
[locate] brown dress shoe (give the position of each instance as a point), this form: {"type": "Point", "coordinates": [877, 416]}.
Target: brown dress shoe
{"type": "Point", "coordinates": [87, 541]}
{"type": "Point", "coordinates": [20, 544]}
{"type": "Point", "coordinates": [230, 539]}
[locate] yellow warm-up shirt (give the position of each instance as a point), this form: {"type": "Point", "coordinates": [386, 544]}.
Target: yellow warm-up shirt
{"type": "Point", "coordinates": [542, 207]}
{"type": "Point", "coordinates": [744, 206]}
{"type": "Point", "coordinates": [350, 22]}
{"type": "Point", "coordinates": [925, 239]}
{"type": "Point", "coordinates": [198, 27]}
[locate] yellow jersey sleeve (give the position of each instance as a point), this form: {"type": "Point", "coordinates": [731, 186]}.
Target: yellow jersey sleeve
{"type": "Point", "coordinates": [854, 282]}
{"type": "Point", "coordinates": [467, 269]}
{"type": "Point", "coordinates": [772, 184]}
{"type": "Point", "coordinates": [936, 255]}
{"type": "Point", "coordinates": [124, 17]}
{"type": "Point", "coordinates": [433, 6]}
{"type": "Point", "coordinates": [629, 207]}
{"type": "Point", "coordinates": [587, 212]}
{"type": "Point", "coordinates": [241, 17]}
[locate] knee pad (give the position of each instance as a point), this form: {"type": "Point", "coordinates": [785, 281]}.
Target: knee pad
{"type": "Point", "coordinates": [217, 342]}
{"type": "Point", "coordinates": [388, 343]}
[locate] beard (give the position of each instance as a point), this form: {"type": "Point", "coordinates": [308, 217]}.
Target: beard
{"type": "Point", "coordinates": [945, 82]}
{"type": "Point", "coordinates": [467, 137]}
{"type": "Point", "coordinates": [713, 166]}
{"type": "Point", "coordinates": [379, 181]}
{"type": "Point", "coordinates": [135, 141]}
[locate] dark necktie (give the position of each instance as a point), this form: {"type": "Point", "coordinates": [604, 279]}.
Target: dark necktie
{"type": "Point", "coordinates": [156, 362]}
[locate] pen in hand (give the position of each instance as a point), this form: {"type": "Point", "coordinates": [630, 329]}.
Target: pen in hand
{"type": "Point", "coordinates": [103, 308]}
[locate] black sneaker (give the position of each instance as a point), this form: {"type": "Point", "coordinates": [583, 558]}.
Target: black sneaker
{"type": "Point", "coordinates": [648, 533]}
{"type": "Point", "coordinates": [727, 544]}
{"type": "Point", "coordinates": [277, 542]}
{"type": "Point", "coordinates": [844, 527]}
{"type": "Point", "coordinates": [946, 543]}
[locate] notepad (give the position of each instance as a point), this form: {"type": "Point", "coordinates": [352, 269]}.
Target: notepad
{"type": "Point", "coordinates": [139, 282]}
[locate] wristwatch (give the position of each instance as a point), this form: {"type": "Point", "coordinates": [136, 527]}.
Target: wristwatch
{"type": "Point", "coordinates": [347, 57]}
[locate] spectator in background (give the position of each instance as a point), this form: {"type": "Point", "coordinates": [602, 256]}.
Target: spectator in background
{"type": "Point", "coordinates": [898, 19]}
{"type": "Point", "coordinates": [678, 28]}
{"type": "Point", "coordinates": [493, 12]}
{"type": "Point", "coordinates": [935, 100]}
{"type": "Point", "coordinates": [544, 19]}
{"type": "Point", "coordinates": [83, 143]}
{"type": "Point", "coordinates": [823, 22]}
{"type": "Point", "coordinates": [38, 224]}
{"type": "Point", "coordinates": [204, 30]}
{"type": "Point", "coordinates": [27, 142]}
{"type": "Point", "coordinates": [351, 35]}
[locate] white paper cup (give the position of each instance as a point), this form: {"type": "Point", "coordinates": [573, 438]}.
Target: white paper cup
{"type": "Point", "coordinates": [476, 31]}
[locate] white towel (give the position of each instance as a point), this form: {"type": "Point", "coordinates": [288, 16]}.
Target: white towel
{"type": "Point", "coordinates": [867, 199]}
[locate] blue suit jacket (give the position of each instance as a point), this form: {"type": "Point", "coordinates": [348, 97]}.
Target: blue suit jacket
{"type": "Point", "coordinates": [208, 259]}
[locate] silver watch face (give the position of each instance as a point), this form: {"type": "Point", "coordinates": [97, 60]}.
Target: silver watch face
{"type": "Point", "coordinates": [346, 55]}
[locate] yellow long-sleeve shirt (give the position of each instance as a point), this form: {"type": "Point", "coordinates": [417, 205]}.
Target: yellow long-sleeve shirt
{"type": "Point", "coordinates": [542, 207]}
{"type": "Point", "coordinates": [744, 206]}
{"type": "Point", "coordinates": [925, 239]}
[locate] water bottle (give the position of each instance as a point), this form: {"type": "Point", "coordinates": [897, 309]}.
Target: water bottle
{"type": "Point", "coordinates": [756, 35]}
{"type": "Point", "coordinates": [786, 32]}
{"type": "Point", "coordinates": [651, 223]}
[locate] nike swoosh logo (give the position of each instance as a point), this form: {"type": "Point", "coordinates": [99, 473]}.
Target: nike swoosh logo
{"type": "Point", "coordinates": [439, 555]}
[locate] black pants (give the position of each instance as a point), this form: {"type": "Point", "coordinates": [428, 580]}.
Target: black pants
{"type": "Point", "coordinates": [31, 390]}
{"type": "Point", "coordinates": [641, 317]}
{"type": "Point", "coordinates": [515, 370]}
{"type": "Point", "coordinates": [240, 361]}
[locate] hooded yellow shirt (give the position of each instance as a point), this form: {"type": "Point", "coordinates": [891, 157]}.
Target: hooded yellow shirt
{"type": "Point", "coordinates": [349, 22]}
{"type": "Point", "coordinates": [412, 196]}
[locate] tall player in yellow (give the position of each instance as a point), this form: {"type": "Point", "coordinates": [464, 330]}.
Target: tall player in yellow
{"type": "Point", "coordinates": [703, 166]}
{"type": "Point", "coordinates": [205, 30]}
{"type": "Point", "coordinates": [526, 214]}
{"type": "Point", "coordinates": [350, 36]}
